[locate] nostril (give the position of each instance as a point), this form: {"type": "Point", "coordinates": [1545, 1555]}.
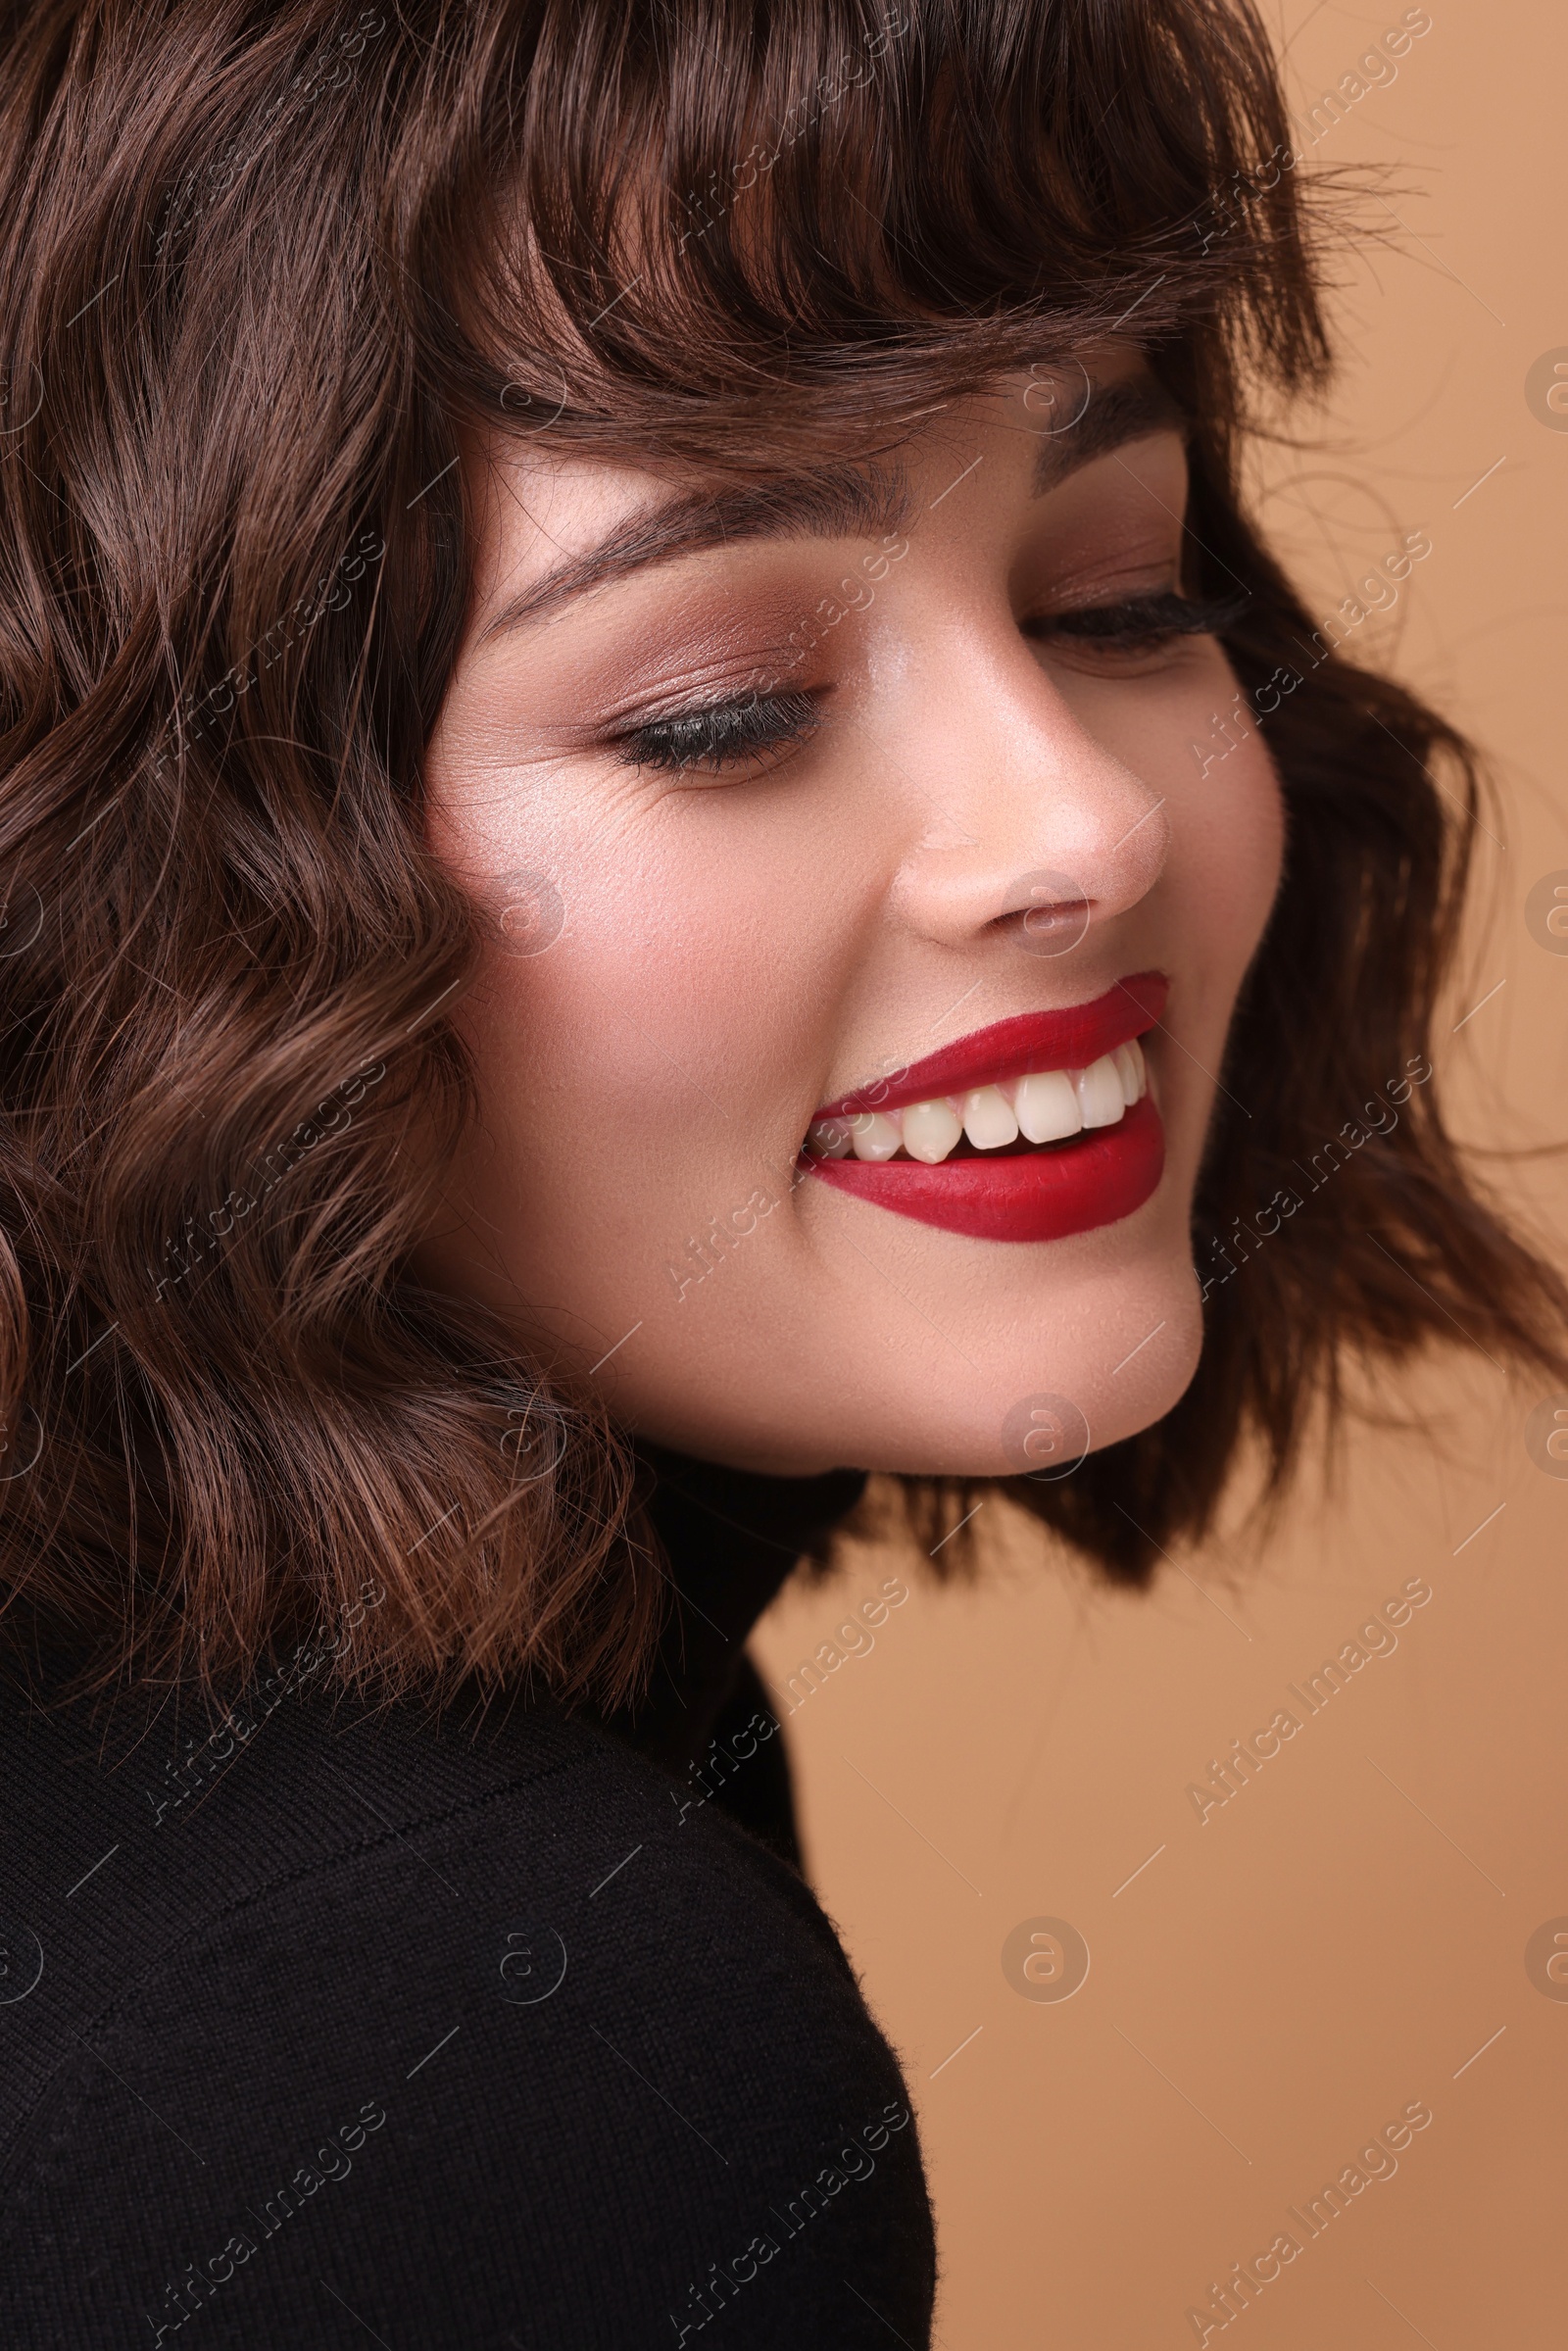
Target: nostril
{"type": "Point", "coordinates": [1051, 911]}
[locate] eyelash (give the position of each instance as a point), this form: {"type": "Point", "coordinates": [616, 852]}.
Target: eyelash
{"type": "Point", "coordinates": [722, 734]}
{"type": "Point", "coordinates": [750, 727]}
{"type": "Point", "coordinates": [1143, 622]}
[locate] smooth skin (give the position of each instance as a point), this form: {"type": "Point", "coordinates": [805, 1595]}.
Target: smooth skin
{"type": "Point", "coordinates": [705, 945]}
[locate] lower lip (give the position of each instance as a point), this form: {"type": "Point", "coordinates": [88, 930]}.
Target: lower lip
{"type": "Point", "coordinates": [1029, 1195]}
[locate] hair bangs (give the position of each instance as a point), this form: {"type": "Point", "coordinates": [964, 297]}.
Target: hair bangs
{"type": "Point", "coordinates": [818, 225]}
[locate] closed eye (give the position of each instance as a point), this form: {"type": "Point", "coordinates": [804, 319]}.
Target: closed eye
{"type": "Point", "coordinates": [1139, 623]}
{"type": "Point", "coordinates": [717, 736]}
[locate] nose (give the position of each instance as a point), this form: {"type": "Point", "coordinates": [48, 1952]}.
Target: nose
{"type": "Point", "coordinates": [1026, 819]}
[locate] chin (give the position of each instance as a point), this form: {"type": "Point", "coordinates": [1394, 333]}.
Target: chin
{"type": "Point", "coordinates": [1022, 1380]}
{"type": "Point", "coordinates": [1090, 1369]}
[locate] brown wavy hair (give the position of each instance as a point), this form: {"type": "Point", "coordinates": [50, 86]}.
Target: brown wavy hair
{"type": "Point", "coordinates": [268, 268]}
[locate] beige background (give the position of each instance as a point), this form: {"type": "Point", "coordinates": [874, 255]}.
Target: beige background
{"type": "Point", "coordinates": [1280, 1980]}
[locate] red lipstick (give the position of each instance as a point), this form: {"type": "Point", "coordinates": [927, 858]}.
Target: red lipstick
{"type": "Point", "coordinates": [1023, 1193]}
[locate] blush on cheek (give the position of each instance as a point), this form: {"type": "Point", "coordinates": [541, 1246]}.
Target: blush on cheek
{"type": "Point", "coordinates": [1225, 809]}
{"type": "Point", "coordinates": [653, 1007]}
{"type": "Point", "coordinates": [1230, 843]}
{"type": "Point", "coordinates": [1248, 807]}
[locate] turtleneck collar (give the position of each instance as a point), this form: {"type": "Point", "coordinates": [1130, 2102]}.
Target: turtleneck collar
{"type": "Point", "coordinates": [730, 1538]}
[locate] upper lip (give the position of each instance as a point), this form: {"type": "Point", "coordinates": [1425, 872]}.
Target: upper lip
{"type": "Point", "coordinates": [1069, 1039]}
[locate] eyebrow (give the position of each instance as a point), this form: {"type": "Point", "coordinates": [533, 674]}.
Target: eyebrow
{"type": "Point", "coordinates": [840, 502]}
{"type": "Point", "coordinates": [1117, 414]}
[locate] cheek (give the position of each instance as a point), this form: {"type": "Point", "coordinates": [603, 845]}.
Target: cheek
{"type": "Point", "coordinates": [631, 1071]}
{"type": "Point", "coordinates": [647, 1008]}
{"type": "Point", "coordinates": [1221, 796]}
{"type": "Point", "coordinates": [1228, 829]}
{"type": "Point", "coordinates": [617, 1000]}
{"type": "Point", "coordinates": [1226, 809]}
{"type": "Point", "coordinates": [1226, 857]}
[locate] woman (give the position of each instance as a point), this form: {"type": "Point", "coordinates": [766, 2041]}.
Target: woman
{"type": "Point", "coordinates": [666, 839]}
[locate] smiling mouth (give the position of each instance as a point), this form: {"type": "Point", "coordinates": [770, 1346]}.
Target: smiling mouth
{"type": "Point", "coordinates": [1041, 1109]}
{"type": "Point", "coordinates": [1033, 1129]}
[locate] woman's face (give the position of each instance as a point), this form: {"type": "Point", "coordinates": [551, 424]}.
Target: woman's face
{"type": "Point", "coordinates": [771, 799]}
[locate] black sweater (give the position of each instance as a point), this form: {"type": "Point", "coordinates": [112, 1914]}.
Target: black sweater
{"type": "Point", "coordinates": [348, 2026]}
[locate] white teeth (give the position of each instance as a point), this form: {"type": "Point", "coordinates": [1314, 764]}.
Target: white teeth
{"type": "Point", "coordinates": [988, 1118]}
{"type": "Point", "coordinates": [930, 1130]}
{"type": "Point", "coordinates": [1044, 1107]}
{"type": "Point", "coordinates": [875, 1134]}
{"type": "Point", "coordinates": [1047, 1106]}
{"type": "Point", "coordinates": [1099, 1094]}
{"type": "Point", "coordinates": [1129, 1060]}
